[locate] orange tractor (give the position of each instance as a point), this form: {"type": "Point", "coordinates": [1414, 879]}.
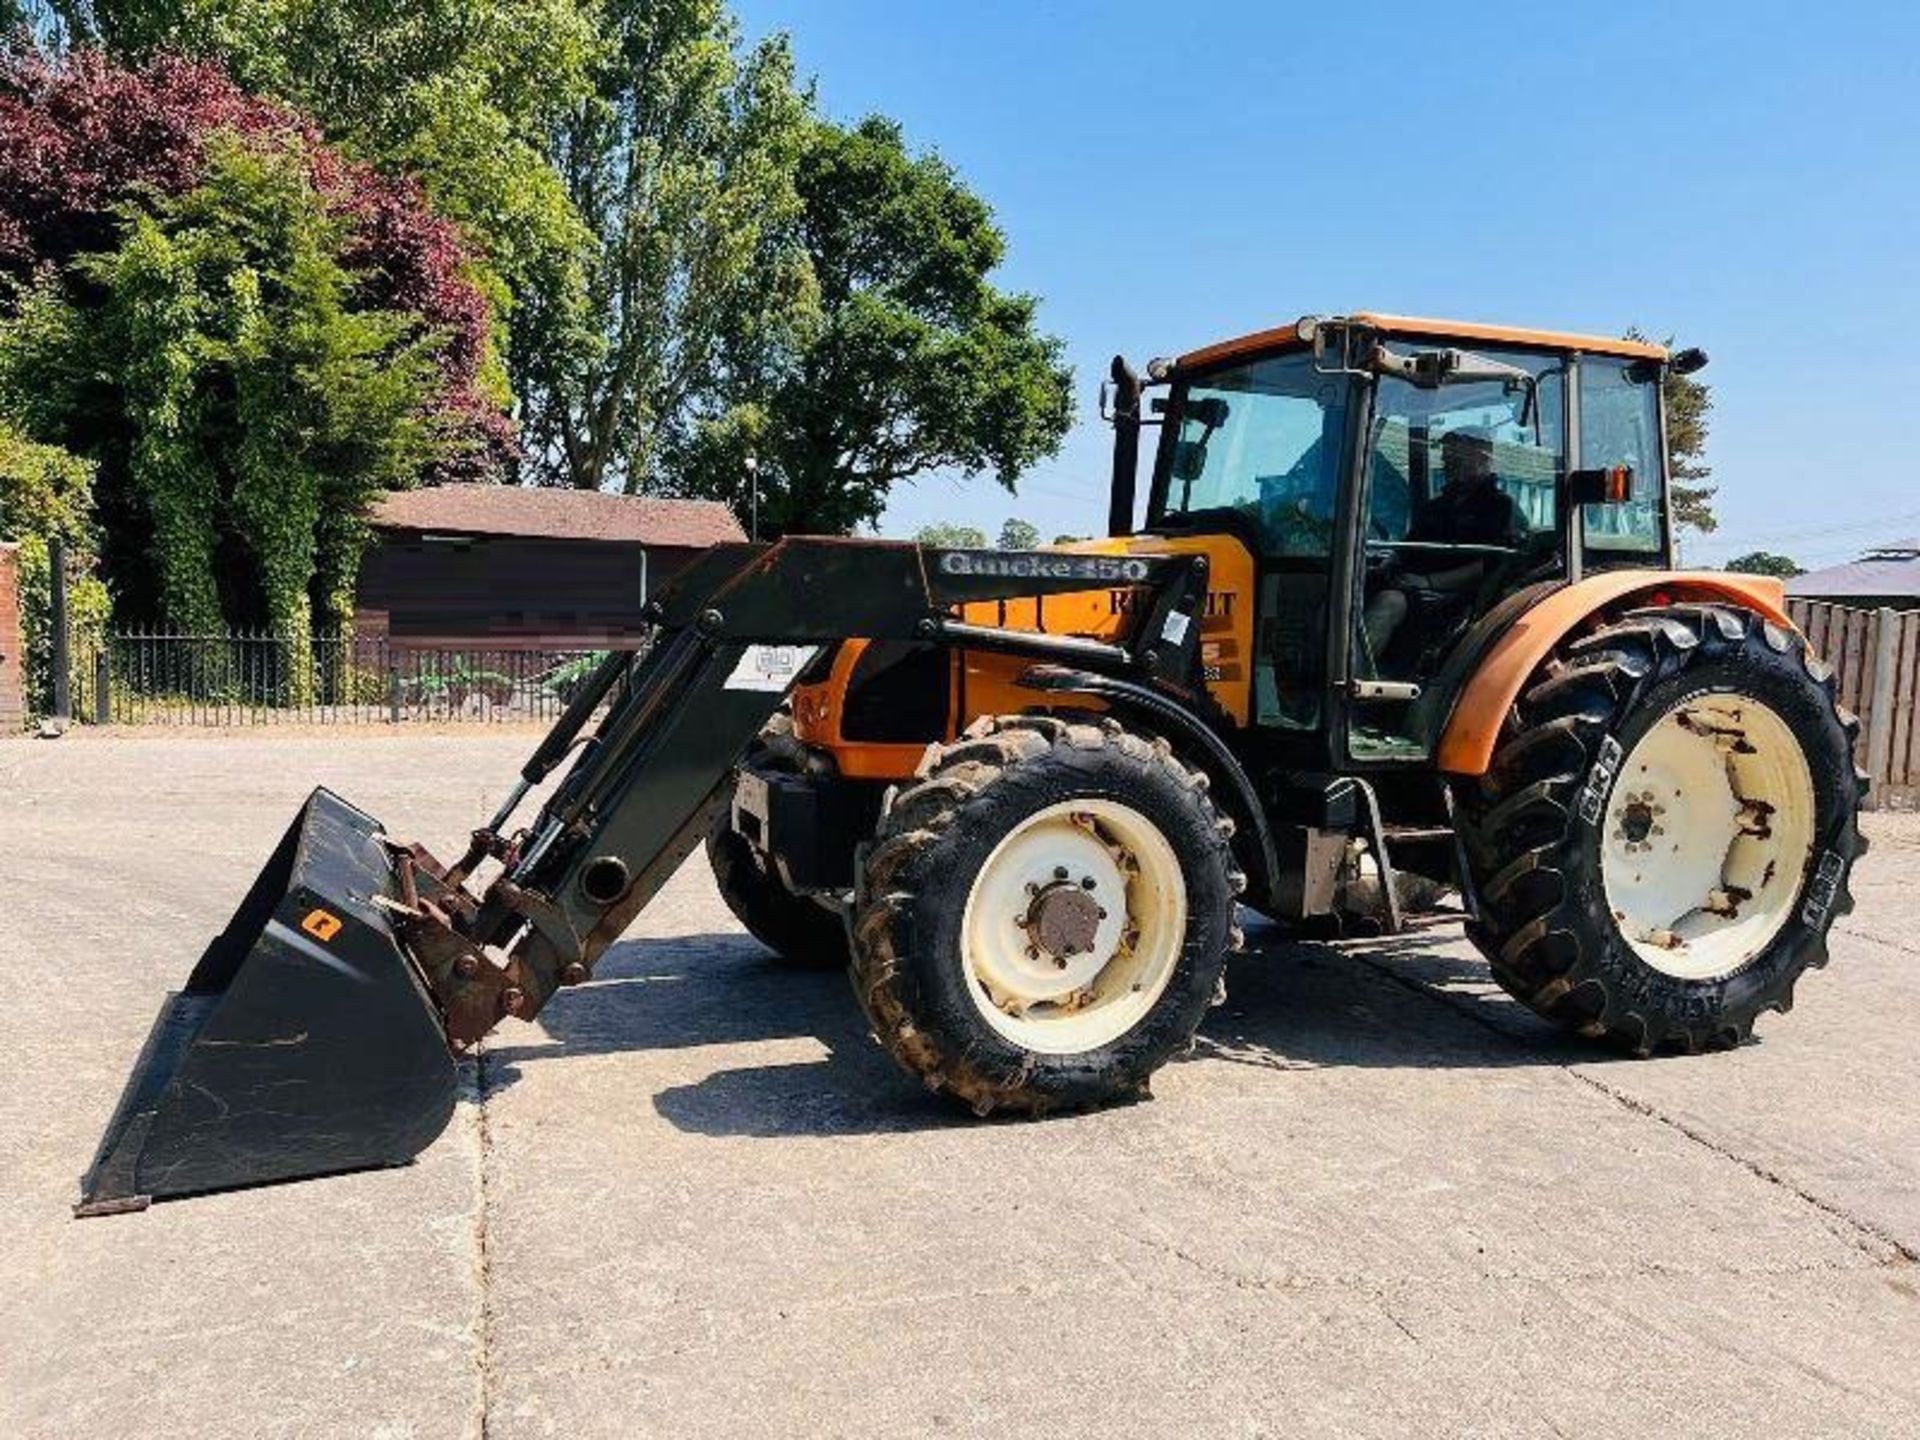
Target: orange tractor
{"type": "Point", "coordinates": [1400, 621]}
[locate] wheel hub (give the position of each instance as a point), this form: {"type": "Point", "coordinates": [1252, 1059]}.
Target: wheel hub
{"type": "Point", "coordinates": [1074, 926]}
{"type": "Point", "coordinates": [1638, 821]}
{"type": "Point", "coordinates": [1064, 919]}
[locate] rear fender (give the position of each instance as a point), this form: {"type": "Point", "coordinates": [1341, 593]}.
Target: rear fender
{"type": "Point", "coordinates": [1473, 729]}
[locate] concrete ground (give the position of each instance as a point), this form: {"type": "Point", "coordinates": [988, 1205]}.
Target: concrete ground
{"type": "Point", "coordinates": [697, 1200]}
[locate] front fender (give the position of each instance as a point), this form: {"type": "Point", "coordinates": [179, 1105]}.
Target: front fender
{"type": "Point", "coordinates": [1473, 729]}
{"type": "Point", "coordinates": [1163, 715]}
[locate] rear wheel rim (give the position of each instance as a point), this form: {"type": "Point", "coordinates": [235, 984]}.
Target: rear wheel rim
{"type": "Point", "coordinates": [1707, 835]}
{"type": "Point", "coordinates": [1074, 926]}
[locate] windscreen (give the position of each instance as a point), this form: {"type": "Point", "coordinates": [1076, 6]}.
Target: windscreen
{"type": "Point", "coordinates": [1262, 439]}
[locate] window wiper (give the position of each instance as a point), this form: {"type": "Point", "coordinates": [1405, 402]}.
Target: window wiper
{"type": "Point", "coordinates": [1430, 369]}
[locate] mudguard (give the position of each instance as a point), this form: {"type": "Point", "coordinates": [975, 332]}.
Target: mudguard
{"type": "Point", "coordinates": [1472, 731]}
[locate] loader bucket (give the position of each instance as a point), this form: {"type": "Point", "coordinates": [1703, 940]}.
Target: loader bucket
{"type": "Point", "coordinates": [305, 1042]}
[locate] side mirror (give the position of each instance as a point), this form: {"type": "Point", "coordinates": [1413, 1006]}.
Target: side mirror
{"type": "Point", "coordinates": [1120, 392]}
{"type": "Point", "coordinates": [1610, 486]}
{"type": "Point", "coordinates": [1681, 362]}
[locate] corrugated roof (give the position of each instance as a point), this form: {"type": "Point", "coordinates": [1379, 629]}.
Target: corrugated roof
{"type": "Point", "coordinates": [558, 515]}
{"type": "Point", "coordinates": [1889, 569]}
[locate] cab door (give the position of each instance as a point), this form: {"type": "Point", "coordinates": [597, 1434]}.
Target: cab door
{"type": "Point", "coordinates": [1256, 448]}
{"type": "Point", "coordinates": [1460, 488]}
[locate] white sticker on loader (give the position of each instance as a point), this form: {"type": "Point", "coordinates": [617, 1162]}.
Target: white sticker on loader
{"type": "Point", "coordinates": [771, 668]}
{"type": "Point", "coordinates": [1593, 798]}
{"type": "Point", "coordinates": [1175, 629]}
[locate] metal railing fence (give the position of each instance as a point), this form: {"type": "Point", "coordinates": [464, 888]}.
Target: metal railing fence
{"type": "Point", "coordinates": [154, 677]}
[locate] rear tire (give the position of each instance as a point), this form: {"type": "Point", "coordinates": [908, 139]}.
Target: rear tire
{"type": "Point", "coordinates": [1694, 748]}
{"type": "Point", "coordinates": [801, 932]}
{"type": "Point", "coordinates": [1045, 915]}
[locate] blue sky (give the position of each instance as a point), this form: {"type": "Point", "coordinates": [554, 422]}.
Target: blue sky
{"type": "Point", "coordinates": [1742, 176]}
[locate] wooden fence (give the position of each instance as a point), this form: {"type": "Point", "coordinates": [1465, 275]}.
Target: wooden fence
{"type": "Point", "coordinates": [1875, 655]}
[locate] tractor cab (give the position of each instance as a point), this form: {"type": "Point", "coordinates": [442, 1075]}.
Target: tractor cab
{"type": "Point", "coordinates": [1400, 485]}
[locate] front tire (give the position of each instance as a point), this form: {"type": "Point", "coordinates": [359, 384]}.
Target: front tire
{"type": "Point", "coordinates": [1045, 915]}
{"type": "Point", "coordinates": [802, 932]}
{"type": "Point", "coordinates": [1666, 831]}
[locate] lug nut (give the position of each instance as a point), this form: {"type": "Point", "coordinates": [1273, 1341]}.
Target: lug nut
{"type": "Point", "coordinates": [513, 999]}
{"type": "Point", "coordinates": [467, 966]}
{"type": "Point", "coordinates": [574, 974]}
{"type": "Point", "coordinates": [1059, 872]}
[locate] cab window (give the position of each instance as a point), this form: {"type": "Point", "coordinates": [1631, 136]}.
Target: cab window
{"type": "Point", "coordinates": [1620, 425]}
{"type": "Point", "coordinates": [1428, 444]}
{"type": "Point", "coordinates": [1261, 440]}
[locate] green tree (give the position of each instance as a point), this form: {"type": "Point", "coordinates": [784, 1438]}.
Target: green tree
{"type": "Point", "coordinates": [948, 536]}
{"type": "Point", "coordinates": [1765, 562]}
{"type": "Point", "coordinates": [47, 492]}
{"type": "Point", "coordinates": [1688, 401]}
{"type": "Point", "coordinates": [1018, 534]}
{"type": "Point", "coordinates": [682, 166]}
{"type": "Point", "coordinates": [916, 362]}
{"type": "Point", "coordinates": [461, 94]}
{"type": "Point", "coordinates": [240, 408]}
{"type": "Point", "coordinates": [44, 491]}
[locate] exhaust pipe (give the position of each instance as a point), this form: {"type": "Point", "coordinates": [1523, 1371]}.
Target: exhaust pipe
{"type": "Point", "coordinates": [1126, 446]}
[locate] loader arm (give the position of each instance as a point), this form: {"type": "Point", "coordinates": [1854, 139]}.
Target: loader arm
{"type": "Point", "coordinates": [316, 1033]}
{"type": "Point", "coordinates": [735, 634]}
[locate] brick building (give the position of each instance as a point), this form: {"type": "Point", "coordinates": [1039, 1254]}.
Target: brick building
{"type": "Point", "coordinates": [13, 644]}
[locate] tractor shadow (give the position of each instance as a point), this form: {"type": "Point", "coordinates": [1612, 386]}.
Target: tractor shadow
{"type": "Point", "coordinates": [724, 990]}
{"type": "Point", "coordinates": [1413, 1001]}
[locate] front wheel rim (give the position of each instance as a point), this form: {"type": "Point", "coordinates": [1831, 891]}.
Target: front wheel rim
{"type": "Point", "coordinates": [1074, 926]}
{"type": "Point", "coordinates": [1707, 836]}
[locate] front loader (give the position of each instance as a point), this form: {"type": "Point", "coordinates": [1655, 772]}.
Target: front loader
{"type": "Point", "coordinates": [1399, 621]}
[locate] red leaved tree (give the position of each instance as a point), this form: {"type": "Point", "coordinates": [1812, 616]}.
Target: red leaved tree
{"type": "Point", "coordinates": [82, 137]}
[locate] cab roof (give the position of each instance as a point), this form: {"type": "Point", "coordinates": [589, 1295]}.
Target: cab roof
{"type": "Point", "coordinates": [1426, 328]}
